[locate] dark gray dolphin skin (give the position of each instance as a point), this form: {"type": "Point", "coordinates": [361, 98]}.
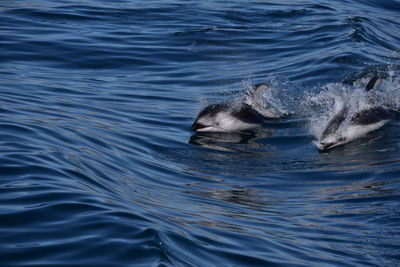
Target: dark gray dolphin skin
{"type": "Point", "coordinates": [372, 83]}
{"type": "Point", "coordinates": [228, 117]}
{"type": "Point", "coordinates": [373, 118]}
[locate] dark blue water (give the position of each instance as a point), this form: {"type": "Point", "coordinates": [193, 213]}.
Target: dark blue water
{"type": "Point", "coordinates": [99, 166]}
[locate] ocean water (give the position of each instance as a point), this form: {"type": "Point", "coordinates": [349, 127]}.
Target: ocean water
{"type": "Point", "coordinates": [99, 165]}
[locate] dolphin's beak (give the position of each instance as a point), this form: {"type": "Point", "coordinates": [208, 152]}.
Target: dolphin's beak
{"type": "Point", "coordinates": [197, 126]}
{"type": "Point", "coordinates": [325, 147]}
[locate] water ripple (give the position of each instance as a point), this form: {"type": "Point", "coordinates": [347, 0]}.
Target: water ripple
{"type": "Point", "coordinates": [99, 165]}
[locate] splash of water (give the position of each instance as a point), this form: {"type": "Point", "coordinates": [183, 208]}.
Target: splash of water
{"type": "Point", "coordinates": [273, 102]}
{"type": "Point", "coordinates": [321, 103]}
{"type": "Point", "coordinates": [336, 97]}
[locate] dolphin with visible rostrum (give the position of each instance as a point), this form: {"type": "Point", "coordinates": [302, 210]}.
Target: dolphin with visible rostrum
{"type": "Point", "coordinates": [344, 127]}
{"type": "Point", "coordinates": [230, 116]}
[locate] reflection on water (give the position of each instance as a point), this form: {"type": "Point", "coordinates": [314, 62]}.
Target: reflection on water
{"type": "Point", "coordinates": [245, 142]}
{"type": "Point", "coordinates": [251, 198]}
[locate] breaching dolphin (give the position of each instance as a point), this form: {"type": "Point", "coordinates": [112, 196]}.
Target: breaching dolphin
{"type": "Point", "coordinates": [338, 132]}
{"type": "Point", "coordinates": [231, 116]}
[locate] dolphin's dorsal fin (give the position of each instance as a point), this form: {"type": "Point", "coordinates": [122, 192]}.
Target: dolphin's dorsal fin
{"type": "Point", "coordinates": [261, 87]}
{"type": "Point", "coordinates": [371, 84]}
{"type": "Point", "coordinates": [258, 89]}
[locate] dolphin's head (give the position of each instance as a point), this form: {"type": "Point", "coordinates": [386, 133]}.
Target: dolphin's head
{"type": "Point", "coordinates": [214, 118]}
{"type": "Point", "coordinates": [226, 117]}
{"type": "Point", "coordinates": [330, 142]}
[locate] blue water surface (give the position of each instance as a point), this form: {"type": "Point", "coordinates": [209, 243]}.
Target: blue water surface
{"type": "Point", "coordinates": [99, 165]}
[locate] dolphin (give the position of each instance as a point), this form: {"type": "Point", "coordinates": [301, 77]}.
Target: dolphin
{"type": "Point", "coordinates": [337, 132]}
{"type": "Point", "coordinates": [229, 116]}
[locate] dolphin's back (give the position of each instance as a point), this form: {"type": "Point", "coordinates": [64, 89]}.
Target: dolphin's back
{"type": "Point", "coordinates": [372, 115]}
{"type": "Point", "coordinates": [247, 114]}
